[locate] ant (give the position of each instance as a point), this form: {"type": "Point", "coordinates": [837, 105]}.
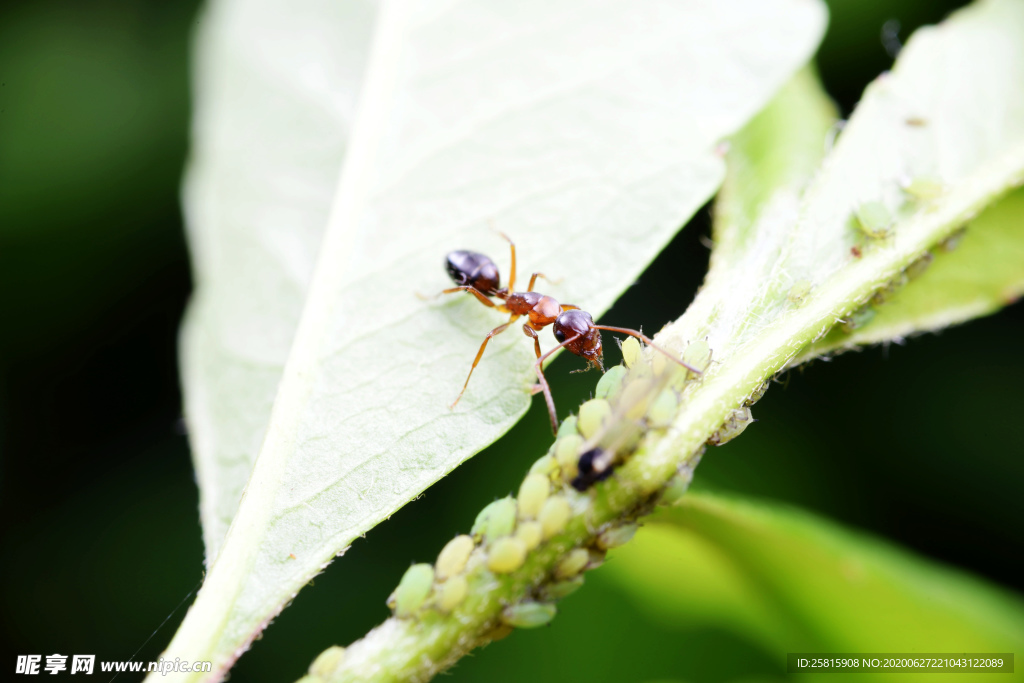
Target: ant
{"type": "Point", "coordinates": [574, 328]}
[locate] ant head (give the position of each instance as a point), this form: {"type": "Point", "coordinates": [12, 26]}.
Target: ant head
{"type": "Point", "coordinates": [587, 342]}
{"type": "Point", "coordinates": [473, 269]}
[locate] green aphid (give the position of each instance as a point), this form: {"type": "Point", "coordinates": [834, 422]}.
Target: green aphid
{"type": "Point", "coordinates": [528, 614]}
{"type": "Point", "coordinates": [327, 662]}
{"type": "Point", "coordinates": [925, 188]}
{"type": "Point", "coordinates": [593, 414]}
{"type": "Point", "coordinates": [919, 266]}
{"type": "Point", "coordinates": [567, 427]}
{"type": "Point", "coordinates": [890, 289]}
{"type": "Point", "coordinates": [631, 351]}
{"type": "Point", "coordinates": [874, 220]}
{"type": "Point", "coordinates": [554, 516]}
{"type": "Point", "coordinates": [562, 589]}
{"type": "Point", "coordinates": [530, 533]}
{"type": "Point", "coordinates": [506, 555]}
{"type": "Point", "coordinates": [698, 355]}
{"type": "Point", "coordinates": [733, 426]}
{"type": "Point", "coordinates": [496, 520]}
{"type": "Point", "coordinates": [642, 369]}
{"type": "Point", "coordinates": [614, 537]}
{"type": "Point", "coordinates": [610, 382]}
{"type": "Point", "coordinates": [412, 590]}
{"type": "Point", "coordinates": [567, 453]}
{"type": "Point", "coordinates": [756, 395]}
{"type": "Point", "coordinates": [572, 564]}
{"type": "Point", "coordinates": [663, 409]}
{"type": "Point", "coordinates": [858, 319]}
{"type": "Point", "coordinates": [635, 397]}
{"type": "Point", "coordinates": [546, 465]}
{"type": "Point", "coordinates": [533, 492]}
{"type": "Point", "coordinates": [451, 593]}
{"type": "Point", "coordinates": [953, 241]}
{"type": "Point", "coordinates": [677, 487]}
{"type": "Point", "coordinates": [799, 292]}
{"type": "Point", "coordinates": [596, 557]}
{"type": "Point", "coordinates": [453, 557]}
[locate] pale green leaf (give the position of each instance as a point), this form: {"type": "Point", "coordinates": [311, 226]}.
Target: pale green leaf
{"type": "Point", "coordinates": [794, 582]}
{"type": "Point", "coordinates": [585, 131]}
{"type": "Point", "coordinates": [275, 92]}
{"type": "Point", "coordinates": [951, 109]}
{"type": "Point", "coordinates": [973, 274]}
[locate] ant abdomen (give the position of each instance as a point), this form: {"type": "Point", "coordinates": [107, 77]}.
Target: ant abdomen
{"type": "Point", "coordinates": [469, 268]}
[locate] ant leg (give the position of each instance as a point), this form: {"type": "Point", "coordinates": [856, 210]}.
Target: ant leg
{"type": "Point", "coordinates": [647, 340]}
{"type": "Point", "coordinates": [479, 354]}
{"type": "Point", "coordinates": [512, 269]}
{"type": "Point", "coordinates": [464, 288]}
{"type": "Point", "coordinates": [533, 279]}
{"type": "Point", "coordinates": [530, 332]}
{"type": "Point", "coordinates": [544, 383]}
{"type": "Point", "coordinates": [570, 307]}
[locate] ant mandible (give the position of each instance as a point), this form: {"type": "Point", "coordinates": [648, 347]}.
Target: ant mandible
{"type": "Point", "coordinates": [574, 328]}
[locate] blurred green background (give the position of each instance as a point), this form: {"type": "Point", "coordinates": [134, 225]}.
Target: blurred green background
{"type": "Point", "coordinates": [920, 444]}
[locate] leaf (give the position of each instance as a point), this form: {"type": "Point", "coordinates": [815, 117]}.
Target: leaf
{"type": "Point", "coordinates": [584, 131]}
{"type": "Point", "coordinates": [275, 94]}
{"type": "Point", "coordinates": [976, 274]}
{"type": "Point", "coordinates": [794, 582]}
{"type": "Point", "coordinates": [951, 109]}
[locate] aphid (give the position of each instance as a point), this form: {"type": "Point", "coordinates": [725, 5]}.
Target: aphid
{"type": "Point", "coordinates": [532, 494]}
{"type": "Point", "coordinates": [327, 662]}
{"type": "Point", "coordinates": [554, 516]}
{"type": "Point", "coordinates": [567, 450]}
{"type": "Point", "coordinates": [574, 328]}
{"type": "Point", "coordinates": [799, 292]}
{"type": "Point", "coordinates": [924, 187]}
{"type": "Point", "coordinates": [452, 593]}
{"type": "Point", "coordinates": [614, 537]}
{"type": "Point", "coordinates": [545, 465]}
{"type": "Point", "coordinates": [610, 382]}
{"type": "Point", "coordinates": [677, 487]}
{"type": "Point", "coordinates": [506, 555]}
{"type": "Point", "coordinates": [873, 219]}
{"type": "Point", "coordinates": [530, 533]}
{"type": "Point", "coordinates": [595, 465]}
{"type": "Point", "coordinates": [733, 426]}
{"type": "Point", "coordinates": [528, 614]}
{"type": "Point", "coordinates": [562, 589]}
{"type": "Point", "coordinates": [572, 564]}
{"type": "Point", "coordinates": [592, 415]}
{"type": "Point", "coordinates": [858, 319]}
{"type": "Point", "coordinates": [953, 241]}
{"type": "Point", "coordinates": [663, 409]}
{"type": "Point", "coordinates": [919, 266]}
{"type": "Point", "coordinates": [412, 590]}
{"type": "Point", "coordinates": [453, 557]}
{"type": "Point", "coordinates": [496, 520]}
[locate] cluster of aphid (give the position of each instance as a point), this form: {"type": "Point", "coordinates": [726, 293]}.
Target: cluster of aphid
{"type": "Point", "coordinates": [630, 400]}
{"type": "Point", "coordinates": [874, 222]}
{"type": "Point", "coordinates": [642, 395]}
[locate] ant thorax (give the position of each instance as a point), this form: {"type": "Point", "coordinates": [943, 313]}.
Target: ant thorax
{"type": "Point", "coordinates": [541, 308]}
